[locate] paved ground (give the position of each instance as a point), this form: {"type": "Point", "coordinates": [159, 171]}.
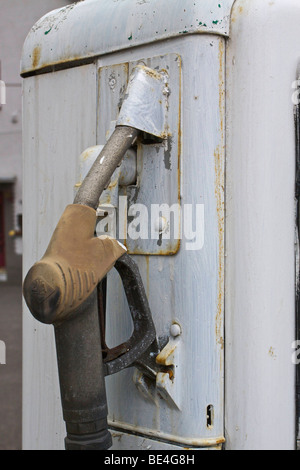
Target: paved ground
{"type": "Point", "coordinates": [11, 372]}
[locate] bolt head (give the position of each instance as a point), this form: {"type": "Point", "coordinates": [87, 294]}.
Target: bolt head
{"type": "Point", "coordinates": [175, 330]}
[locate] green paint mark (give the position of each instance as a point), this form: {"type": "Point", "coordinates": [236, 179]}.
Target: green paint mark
{"type": "Point", "coordinates": [216, 22]}
{"type": "Point", "coordinates": [219, 5]}
{"type": "Point", "coordinates": [183, 32]}
{"type": "Point", "coordinates": [130, 37]}
{"type": "Point", "coordinates": [46, 32]}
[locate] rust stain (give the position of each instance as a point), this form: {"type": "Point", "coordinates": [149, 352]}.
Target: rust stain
{"type": "Point", "coordinates": [179, 142]}
{"type": "Point", "coordinates": [272, 353]}
{"type": "Point", "coordinates": [168, 251]}
{"type": "Point", "coordinates": [236, 12]}
{"type": "Point", "coordinates": [220, 199]}
{"type": "Point", "coordinates": [151, 73]}
{"type": "Point", "coordinates": [113, 183]}
{"type": "Point", "coordinates": [87, 153]}
{"type": "Point", "coordinates": [165, 134]}
{"type": "Point", "coordinates": [158, 434]}
{"type": "Point", "coordinates": [44, 66]}
{"type": "Point", "coordinates": [106, 198]}
{"type": "Point", "coordinates": [240, 8]}
{"type": "Point", "coordinates": [165, 357]}
{"type": "Point", "coordinates": [219, 193]}
{"type": "Point", "coordinates": [36, 56]}
{"type": "Point", "coordinates": [208, 442]}
{"type": "Point", "coordinates": [221, 87]}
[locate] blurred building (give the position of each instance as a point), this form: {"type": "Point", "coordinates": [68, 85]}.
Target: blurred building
{"type": "Point", "coordinates": [16, 19]}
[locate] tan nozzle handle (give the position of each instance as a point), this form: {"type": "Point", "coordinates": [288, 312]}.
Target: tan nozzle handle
{"type": "Point", "coordinates": [74, 263]}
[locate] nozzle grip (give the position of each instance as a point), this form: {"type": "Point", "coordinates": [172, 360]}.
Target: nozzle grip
{"type": "Point", "coordinates": [73, 265]}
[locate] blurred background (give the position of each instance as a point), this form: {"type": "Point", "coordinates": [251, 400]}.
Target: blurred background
{"type": "Point", "coordinates": [16, 19]}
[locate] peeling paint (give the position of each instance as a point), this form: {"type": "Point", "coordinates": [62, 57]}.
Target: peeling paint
{"type": "Point", "coordinates": [167, 155]}
{"type": "Point", "coordinates": [53, 20]}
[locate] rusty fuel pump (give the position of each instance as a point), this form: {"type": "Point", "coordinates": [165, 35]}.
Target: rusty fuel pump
{"type": "Point", "coordinates": [65, 288]}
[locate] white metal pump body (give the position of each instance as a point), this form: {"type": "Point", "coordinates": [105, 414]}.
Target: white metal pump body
{"type": "Point", "coordinates": [228, 162]}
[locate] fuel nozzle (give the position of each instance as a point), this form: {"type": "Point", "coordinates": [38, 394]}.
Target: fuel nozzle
{"type": "Point", "coordinates": [60, 289]}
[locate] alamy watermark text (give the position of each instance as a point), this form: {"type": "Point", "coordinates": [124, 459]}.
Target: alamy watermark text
{"type": "Point", "coordinates": [154, 222]}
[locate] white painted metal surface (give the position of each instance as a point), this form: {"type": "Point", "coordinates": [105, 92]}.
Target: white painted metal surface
{"type": "Point", "coordinates": [115, 25]}
{"type": "Point", "coordinates": [262, 59]}
{"type": "Point", "coordinates": [198, 307]}
{"type": "Point", "coordinates": [59, 123]}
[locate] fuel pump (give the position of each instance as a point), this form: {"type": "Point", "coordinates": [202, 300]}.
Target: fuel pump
{"type": "Point", "coordinates": [65, 288]}
{"type": "Point", "coordinates": [203, 96]}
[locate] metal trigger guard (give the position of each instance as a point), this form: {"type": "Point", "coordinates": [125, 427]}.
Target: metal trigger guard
{"type": "Point", "coordinates": [142, 347]}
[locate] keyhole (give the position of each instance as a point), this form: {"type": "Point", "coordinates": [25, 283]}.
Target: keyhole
{"type": "Point", "coordinates": [210, 416]}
